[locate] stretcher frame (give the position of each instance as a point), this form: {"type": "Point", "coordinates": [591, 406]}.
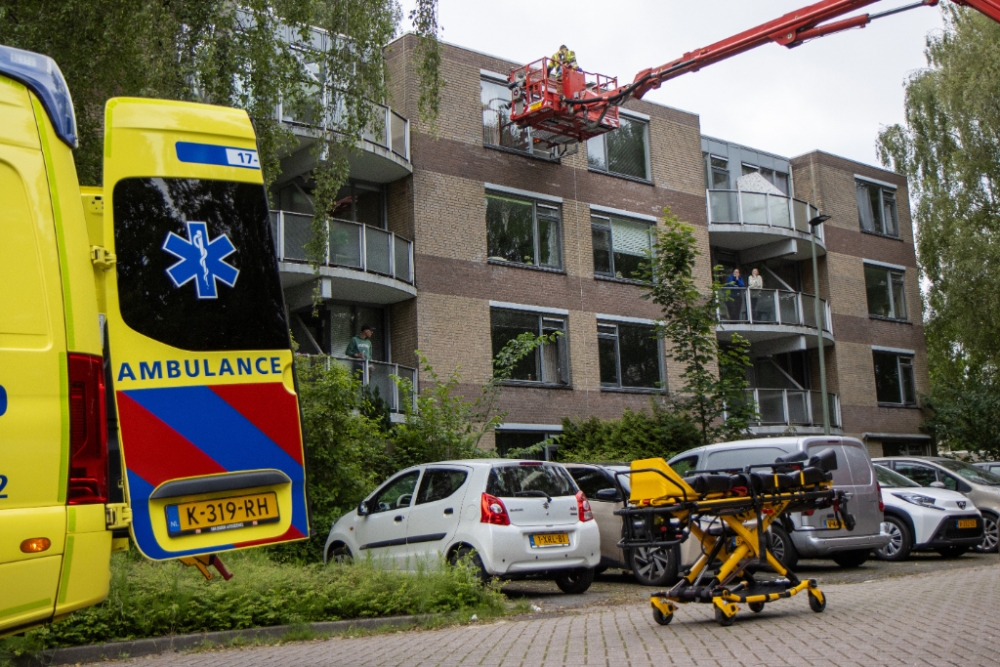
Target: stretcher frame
{"type": "Point", "coordinates": [741, 543]}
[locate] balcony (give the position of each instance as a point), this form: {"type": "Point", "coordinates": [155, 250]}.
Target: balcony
{"type": "Point", "coordinates": [762, 225]}
{"type": "Point", "coordinates": [779, 409]}
{"type": "Point", "coordinates": [774, 320]}
{"type": "Point", "coordinates": [362, 264]}
{"type": "Point", "coordinates": [379, 377]}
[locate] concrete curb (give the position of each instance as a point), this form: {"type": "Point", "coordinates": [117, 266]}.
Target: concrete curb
{"type": "Point", "coordinates": [140, 647]}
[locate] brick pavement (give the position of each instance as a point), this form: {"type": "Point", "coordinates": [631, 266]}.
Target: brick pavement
{"type": "Point", "coordinates": [942, 618]}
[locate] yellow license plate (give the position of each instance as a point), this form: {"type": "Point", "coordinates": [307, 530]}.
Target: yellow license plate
{"type": "Point", "coordinates": [832, 524]}
{"type": "Point", "coordinates": [966, 523]}
{"type": "Point", "coordinates": [550, 540]}
{"type": "Point", "coordinates": [213, 516]}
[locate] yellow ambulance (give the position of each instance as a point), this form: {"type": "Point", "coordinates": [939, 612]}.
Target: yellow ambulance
{"type": "Point", "coordinates": [145, 317]}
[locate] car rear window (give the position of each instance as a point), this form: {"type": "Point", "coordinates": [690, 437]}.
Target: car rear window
{"type": "Point", "coordinates": [842, 475]}
{"type": "Point", "coordinates": [737, 459]}
{"type": "Point", "coordinates": [530, 480]}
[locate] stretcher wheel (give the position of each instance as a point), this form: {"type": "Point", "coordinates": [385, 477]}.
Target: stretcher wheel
{"type": "Point", "coordinates": [722, 619]}
{"type": "Point", "coordinates": [661, 618]}
{"type": "Point", "coordinates": [817, 605]}
{"type": "Point", "coordinates": [756, 607]}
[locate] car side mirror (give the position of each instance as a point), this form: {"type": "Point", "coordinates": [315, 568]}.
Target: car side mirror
{"type": "Point", "coordinates": [937, 485]}
{"type": "Point", "coordinates": [363, 508]}
{"type": "Point", "coordinates": [608, 495]}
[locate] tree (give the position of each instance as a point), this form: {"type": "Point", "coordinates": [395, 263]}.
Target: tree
{"type": "Point", "coordinates": [250, 54]}
{"type": "Point", "coordinates": [714, 387]}
{"type": "Point", "coordinates": [948, 149]}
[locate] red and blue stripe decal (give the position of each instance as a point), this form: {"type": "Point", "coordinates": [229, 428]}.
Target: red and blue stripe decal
{"type": "Point", "coordinates": [178, 432]}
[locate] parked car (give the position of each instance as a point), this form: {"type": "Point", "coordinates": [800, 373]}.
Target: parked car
{"type": "Point", "coordinates": [926, 518]}
{"type": "Point", "coordinates": [651, 566]}
{"type": "Point", "coordinates": [817, 535]}
{"type": "Point", "coordinates": [980, 486]}
{"type": "Point", "coordinates": [512, 519]}
{"type": "Point", "coordinates": [991, 466]}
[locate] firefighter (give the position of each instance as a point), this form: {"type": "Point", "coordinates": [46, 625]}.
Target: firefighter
{"type": "Point", "coordinates": [560, 59]}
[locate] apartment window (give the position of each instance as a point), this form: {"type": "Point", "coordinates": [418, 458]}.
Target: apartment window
{"type": "Point", "coordinates": [877, 209]}
{"type": "Point", "coordinates": [498, 130]}
{"type": "Point", "coordinates": [510, 440]}
{"type": "Point", "coordinates": [523, 231]}
{"type": "Point", "coordinates": [629, 355]}
{"type": "Point", "coordinates": [624, 152]}
{"type": "Point", "coordinates": [718, 168]}
{"type": "Point", "coordinates": [549, 363]}
{"type": "Point", "coordinates": [886, 295]}
{"type": "Point", "coordinates": [894, 381]}
{"type": "Point", "coordinates": [620, 245]}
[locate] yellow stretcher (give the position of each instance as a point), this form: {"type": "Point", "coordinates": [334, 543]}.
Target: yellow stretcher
{"type": "Point", "coordinates": [729, 513]}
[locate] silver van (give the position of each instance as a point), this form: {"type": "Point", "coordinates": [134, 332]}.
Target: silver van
{"type": "Point", "coordinates": [808, 536]}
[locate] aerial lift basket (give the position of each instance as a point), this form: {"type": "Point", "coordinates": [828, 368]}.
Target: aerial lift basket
{"type": "Point", "coordinates": [729, 513]}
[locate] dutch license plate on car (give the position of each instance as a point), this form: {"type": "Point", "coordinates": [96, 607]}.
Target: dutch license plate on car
{"type": "Point", "coordinates": [213, 516]}
{"type": "Point", "coordinates": [832, 524]}
{"type": "Point", "coordinates": [550, 540]}
{"type": "Point", "coordinates": [966, 523]}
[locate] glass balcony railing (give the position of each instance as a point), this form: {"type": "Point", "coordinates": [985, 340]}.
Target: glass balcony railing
{"type": "Point", "coordinates": [388, 130]}
{"type": "Point", "coordinates": [772, 306]}
{"type": "Point", "coordinates": [350, 244]}
{"type": "Point", "coordinates": [793, 407]}
{"type": "Point", "coordinates": [735, 207]}
{"type": "Point", "coordinates": [380, 378]}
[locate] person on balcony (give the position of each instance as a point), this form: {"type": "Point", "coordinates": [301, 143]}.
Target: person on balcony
{"type": "Point", "coordinates": [756, 283]}
{"type": "Point", "coordinates": [360, 346]}
{"type": "Point", "coordinates": [734, 303]}
{"type": "Point", "coordinates": [561, 59]}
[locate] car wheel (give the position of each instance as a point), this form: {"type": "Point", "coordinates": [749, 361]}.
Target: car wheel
{"type": "Point", "coordinates": [575, 581]}
{"type": "Point", "coordinates": [989, 543]}
{"type": "Point", "coordinates": [952, 552]}
{"type": "Point", "coordinates": [900, 541]}
{"type": "Point", "coordinates": [340, 555]}
{"type": "Point", "coordinates": [655, 566]}
{"type": "Point", "coordinates": [855, 558]}
{"type": "Point", "coordinates": [468, 554]}
{"type": "Point", "coordinates": [782, 547]}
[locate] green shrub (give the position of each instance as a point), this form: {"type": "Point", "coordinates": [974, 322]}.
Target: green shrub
{"type": "Point", "coordinates": [150, 599]}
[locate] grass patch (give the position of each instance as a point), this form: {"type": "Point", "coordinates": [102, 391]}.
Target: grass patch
{"type": "Point", "coordinates": [150, 599]}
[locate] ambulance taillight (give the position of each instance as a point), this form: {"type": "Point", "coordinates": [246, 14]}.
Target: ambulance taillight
{"type": "Point", "coordinates": [88, 437]}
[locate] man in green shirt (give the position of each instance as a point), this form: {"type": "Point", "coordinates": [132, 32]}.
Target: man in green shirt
{"type": "Point", "coordinates": [360, 346]}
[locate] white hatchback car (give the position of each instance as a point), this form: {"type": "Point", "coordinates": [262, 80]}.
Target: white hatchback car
{"type": "Point", "coordinates": [924, 518]}
{"type": "Point", "coordinates": [514, 519]}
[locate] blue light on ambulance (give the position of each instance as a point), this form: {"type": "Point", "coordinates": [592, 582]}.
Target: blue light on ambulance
{"type": "Point", "coordinates": [42, 76]}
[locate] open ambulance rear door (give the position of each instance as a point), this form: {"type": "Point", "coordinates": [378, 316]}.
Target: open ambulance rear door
{"type": "Point", "coordinates": [201, 362]}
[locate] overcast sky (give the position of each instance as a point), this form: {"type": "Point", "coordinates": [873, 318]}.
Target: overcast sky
{"type": "Point", "coordinates": [831, 94]}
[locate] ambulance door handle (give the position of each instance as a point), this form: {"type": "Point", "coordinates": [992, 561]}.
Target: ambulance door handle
{"type": "Point", "coordinates": [398, 518]}
{"type": "Point", "coordinates": [449, 511]}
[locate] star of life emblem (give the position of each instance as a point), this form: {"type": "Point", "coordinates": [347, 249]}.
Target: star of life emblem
{"type": "Point", "coordinates": [201, 260]}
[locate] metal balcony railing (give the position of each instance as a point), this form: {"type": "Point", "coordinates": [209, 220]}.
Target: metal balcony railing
{"type": "Point", "coordinates": [350, 244]}
{"type": "Point", "coordinates": [378, 376]}
{"type": "Point", "coordinates": [772, 306]}
{"type": "Point", "coordinates": [736, 207]}
{"type": "Point", "coordinates": [793, 407]}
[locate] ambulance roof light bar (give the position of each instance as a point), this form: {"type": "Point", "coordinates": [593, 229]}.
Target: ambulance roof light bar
{"type": "Point", "coordinates": [42, 76]}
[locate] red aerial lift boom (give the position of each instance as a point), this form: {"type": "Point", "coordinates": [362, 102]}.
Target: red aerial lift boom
{"type": "Point", "coordinates": [578, 105]}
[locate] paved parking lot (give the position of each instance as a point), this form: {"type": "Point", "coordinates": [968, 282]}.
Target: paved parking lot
{"type": "Point", "coordinates": [943, 617]}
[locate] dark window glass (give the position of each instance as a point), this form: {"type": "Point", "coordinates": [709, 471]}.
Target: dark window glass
{"type": "Point", "coordinates": [602, 250]}
{"type": "Point", "coordinates": [921, 474]}
{"type": "Point", "coordinates": [548, 364]}
{"type": "Point", "coordinates": [629, 356]}
{"type": "Point", "coordinates": [621, 245]}
{"type": "Point", "coordinates": [885, 288]}
{"type": "Point", "coordinates": [530, 480]}
{"type": "Point", "coordinates": [438, 484]}
{"type": "Point", "coordinates": [685, 465]}
{"type": "Point", "coordinates": [510, 440]}
{"type": "Point", "coordinates": [894, 380]}
{"type": "Point", "coordinates": [591, 480]}
{"type": "Point", "coordinates": [877, 209]}
{"type": "Point", "coordinates": [397, 494]}
{"type": "Point", "coordinates": [623, 151]}
{"type": "Point", "coordinates": [720, 174]}
{"type": "Point", "coordinates": [607, 350]}
{"type": "Point", "coordinates": [497, 128]}
{"type": "Point", "coordinates": [250, 315]}
{"type": "Point", "coordinates": [523, 231]}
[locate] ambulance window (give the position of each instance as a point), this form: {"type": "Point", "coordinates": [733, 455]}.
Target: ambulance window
{"type": "Point", "coordinates": [198, 295]}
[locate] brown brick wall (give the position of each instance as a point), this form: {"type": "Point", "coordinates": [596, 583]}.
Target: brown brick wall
{"type": "Point", "coordinates": [403, 332]}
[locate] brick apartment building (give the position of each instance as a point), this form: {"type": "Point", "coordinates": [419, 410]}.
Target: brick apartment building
{"type": "Point", "coordinates": [453, 239]}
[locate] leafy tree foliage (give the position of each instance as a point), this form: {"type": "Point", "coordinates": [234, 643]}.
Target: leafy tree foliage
{"type": "Point", "coordinates": [965, 415]}
{"type": "Point", "coordinates": [662, 432]}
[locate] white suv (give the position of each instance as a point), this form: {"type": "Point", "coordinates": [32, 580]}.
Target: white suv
{"type": "Point", "coordinates": [514, 519]}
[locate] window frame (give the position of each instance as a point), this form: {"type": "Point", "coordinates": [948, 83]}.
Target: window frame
{"type": "Point", "coordinates": [603, 139]}
{"type": "Point", "coordinates": [891, 273]}
{"type": "Point", "coordinates": [904, 359]}
{"type": "Point", "coordinates": [616, 336]}
{"type": "Point", "coordinates": [880, 224]}
{"type": "Point", "coordinates": [609, 227]}
{"type": "Point", "coordinates": [497, 79]}
{"type": "Point", "coordinates": [562, 346]}
{"type": "Point", "coordinates": [535, 202]}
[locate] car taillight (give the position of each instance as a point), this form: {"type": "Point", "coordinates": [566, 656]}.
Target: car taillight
{"type": "Point", "coordinates": [493, 511]}
{"type": "Point", "coordinates": [88, 431]}
{"type": "Point", "coordinates": [583, 507]}
{"type": "Point", "coordinates": [881, 504]}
